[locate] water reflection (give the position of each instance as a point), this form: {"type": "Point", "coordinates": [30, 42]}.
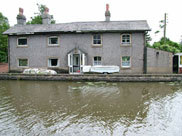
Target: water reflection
{"type": "Point", "coordinates": [90, 108]}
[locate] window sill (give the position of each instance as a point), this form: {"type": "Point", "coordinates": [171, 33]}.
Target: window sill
{"type": "Point", "coordinates": [22, 46]}
{"type": "Point", "coordinates": [53, 66]}
{"type": "Point", "coordinates": [126, 45]}
{"type": "Point", "coordinates": [97, 45]}
{"type": "Point", "coordinates": [53, 45]}
{"type": "Point", "coordinates": [129, 67]}
{"type": "Point", "coordinates": [23, 66]}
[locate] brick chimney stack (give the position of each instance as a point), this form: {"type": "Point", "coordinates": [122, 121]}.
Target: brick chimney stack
{"type": "Point", "coordinates": [21, 19]}
{"type": "Point", "coordinates": [46, 18]}
{"type": "Point", "coordinates": [107, 13]}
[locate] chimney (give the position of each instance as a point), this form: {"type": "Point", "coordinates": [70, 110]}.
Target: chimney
{"type": "Point", "coordinates": [107, 13]}
{"type": "Point", "coordinates": [21, 19]}
{"type": "Point", "coordinates": [46, 18]}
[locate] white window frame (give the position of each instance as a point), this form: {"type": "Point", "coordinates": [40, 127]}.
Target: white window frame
{"type": "Point", "coordinates": [22, 45]}
{"type": "Point", "coordinates": [97, 61]}
{"type": "Point", "coordinates": [18, 62]}
{"type": "Point", "coordinates": [125, 43]}
{"type": "Point", "coordinates": [53, 44]}
{"type": "Point", "coordinates": [122, 62]}
{"type": "Point", "coordinates": [96, 39]}
{"type": "Point", "coordinates": [49, 63]}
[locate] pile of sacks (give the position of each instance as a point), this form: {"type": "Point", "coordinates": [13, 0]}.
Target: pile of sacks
{"type": "Point", "coordinates": [39, 71]}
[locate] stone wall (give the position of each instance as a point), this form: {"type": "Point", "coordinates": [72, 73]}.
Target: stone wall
{"type": "Point", "coordinates": [159, 61]}
{"type": "Point", "coordinates": [95, 77]}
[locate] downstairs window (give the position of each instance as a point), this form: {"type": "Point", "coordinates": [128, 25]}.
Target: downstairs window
{"type": "Point", "coordinates": [53, 62]}
{"type": "Point", "coordinates": [125, 62]}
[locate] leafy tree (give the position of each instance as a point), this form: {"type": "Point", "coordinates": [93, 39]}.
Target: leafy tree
{"type": "Point", "coordinates": [37, 19]}
{"type": "Point", "coordinates": [161, 26]}
{"type": "Point", "coordinates": [148, 39]}
{"type": "Point", "coordinates": [167, 45]}
{"type": "Point", "coordinates": [4, 25]}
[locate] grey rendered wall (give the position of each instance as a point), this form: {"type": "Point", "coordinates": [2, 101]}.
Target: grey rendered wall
{"type": "Point", "coordinates": [111, 51]}
{"type": "Point", "coordinates": [160, 62]}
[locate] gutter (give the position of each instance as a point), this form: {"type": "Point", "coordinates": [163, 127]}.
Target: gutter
{"type": "Point", "coordinates": [75, 31]}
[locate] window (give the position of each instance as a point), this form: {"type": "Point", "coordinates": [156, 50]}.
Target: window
{"type": "Point", "coordinates": [97, 39]}
{"type": "Point", "coordinates": [22, 41]}
{"type": "Point", "coordinates": [53, 41]}
{"type": "Point", "coordinates": [53, 62]}
{"type": "Point", "coordinates": [125, 62]}
{"type": "Point", "coordinates": [97, 60]}
{"type": "Point", "coordinates": [22, 62]}
{"type": "Point", "coordinates": [126, 39]}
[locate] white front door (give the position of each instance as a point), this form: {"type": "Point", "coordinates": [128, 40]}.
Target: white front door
{"type": "Point", "coordinates": [76, 62]}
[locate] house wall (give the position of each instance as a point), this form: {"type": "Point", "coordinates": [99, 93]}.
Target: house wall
{"type": "Point", "coordinates": [111, 50]}
{"type": "Point", "coordinates": [160, 62]}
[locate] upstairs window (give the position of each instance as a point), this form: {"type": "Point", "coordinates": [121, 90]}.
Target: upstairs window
{"type": "Point", "coordinates": [97, 60]}
{"type": "Point", "coordinates": [97, 39]}
{"type": "Point", "coordinates": [53, 62]}
{"type": "Point", "coordinates": [126, 39]}
{"type": "Point", "coordinates": [53, 41]}
{"type": "Point", "coordinates": [22, 62]}
{"type": "Point", "coordinates": [125, 61]}
{"type": "Point", "coordinates": [22, 41]}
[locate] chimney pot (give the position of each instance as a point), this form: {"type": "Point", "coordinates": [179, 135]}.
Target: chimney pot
{"type": "Point", "coordinates": [107, 7]}
{"type": "Point", "coordinates": [46, 11]}
{"type": "Point", "coordinates": [107, 13]}
{"type": "Point", "coordinates": [20, 11]}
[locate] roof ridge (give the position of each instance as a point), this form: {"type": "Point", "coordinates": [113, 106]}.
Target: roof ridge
{"type": "Point", "coordinates": [103, 21]}
{"type": "Point", "coordinates": [83, 22]}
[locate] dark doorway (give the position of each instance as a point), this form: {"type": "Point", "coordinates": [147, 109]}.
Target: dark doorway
{"type": "Point", "coordinates": [76, 63]}
{"type": "Point", "coordinates": [175, 64]}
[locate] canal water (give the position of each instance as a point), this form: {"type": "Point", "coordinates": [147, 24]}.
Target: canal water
{"type": "Point", "coordinates": [47, 108]}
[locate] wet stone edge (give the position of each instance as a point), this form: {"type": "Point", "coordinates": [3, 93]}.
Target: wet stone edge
{"type": "Point", "coordinates": [95, 77]}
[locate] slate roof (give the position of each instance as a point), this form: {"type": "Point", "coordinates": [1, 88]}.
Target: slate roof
{"type": "Point", "coordinates": [76, 27]}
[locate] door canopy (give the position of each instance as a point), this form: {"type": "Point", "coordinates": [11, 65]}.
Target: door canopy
{"type": "Point", "coordinates": [76, 51]}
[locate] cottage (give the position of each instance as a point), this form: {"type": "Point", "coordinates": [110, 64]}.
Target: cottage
{"type": "Point", "coordinates": [67, 47]}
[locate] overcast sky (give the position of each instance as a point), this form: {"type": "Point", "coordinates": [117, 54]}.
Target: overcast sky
{"type": "Point", "coordinates": [93, 10]}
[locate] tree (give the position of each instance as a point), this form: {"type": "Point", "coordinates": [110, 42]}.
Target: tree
{"type": "Point", "coordinates": [37, 19]}
{"type": "Point", "coordinates": [167, 45]}
{"type": "Point", "coordinates": [148, 39]}
{"type": "Point", "coordinates": [4, 25]}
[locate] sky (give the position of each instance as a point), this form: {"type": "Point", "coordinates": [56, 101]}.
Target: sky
{"type": "Point", "coordinates": [94, 10]}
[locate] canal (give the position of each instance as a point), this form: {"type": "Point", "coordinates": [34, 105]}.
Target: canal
{"type": "Point", "coordinates": [90, 108]}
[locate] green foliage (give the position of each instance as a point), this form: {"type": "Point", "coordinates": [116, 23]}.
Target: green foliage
{"type": "Point", "coordinates": [4, 25]}
{"type": "Point", "coordinates": [156, 32]}
{"type": "Point", "coordinates": [169, 46]}
{"type": "Point", "coordinates": [148, 39]}
{"type": "Point", "coordinates": [161, 26]}
{"type": "Point", "coordinates": [37, 19]}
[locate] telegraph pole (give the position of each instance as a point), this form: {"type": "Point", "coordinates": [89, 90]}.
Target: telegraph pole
{"type": "Point", "coordinates": [165, 16]}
